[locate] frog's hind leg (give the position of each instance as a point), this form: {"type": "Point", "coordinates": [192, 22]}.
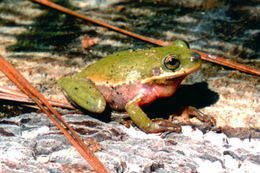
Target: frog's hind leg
{"type": "Point", "coordinates": [84, 93]}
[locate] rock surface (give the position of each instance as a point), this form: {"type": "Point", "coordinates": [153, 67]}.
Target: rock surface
{"type": "Point", "coordinates": [32, 142]}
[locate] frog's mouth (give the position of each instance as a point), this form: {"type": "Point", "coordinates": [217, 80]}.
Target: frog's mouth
{"type": "Point", "coordinates": [181, 73]}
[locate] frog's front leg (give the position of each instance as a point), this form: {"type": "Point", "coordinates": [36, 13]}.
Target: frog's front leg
{"type": "Point", "coordinates": [146, 124]}
{"type": "Point", "coordinates": [84, 93]}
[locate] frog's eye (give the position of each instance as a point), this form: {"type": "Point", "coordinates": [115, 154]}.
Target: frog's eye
{"type": "Point", "coordinates": [171, 62]}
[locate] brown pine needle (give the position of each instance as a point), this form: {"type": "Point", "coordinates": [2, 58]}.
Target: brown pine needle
{"type": "Point", "coordinates": [56, 118]}
{"type": "Point", "coordinates": [228, 63]}
{"type": "Point", "coordinates": [17, 96]}
{"type": "Point", "coordinates": [206, 57]}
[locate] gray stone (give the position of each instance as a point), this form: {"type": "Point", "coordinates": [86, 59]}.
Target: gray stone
{"type": "Point", "coordinates": [42, 148]}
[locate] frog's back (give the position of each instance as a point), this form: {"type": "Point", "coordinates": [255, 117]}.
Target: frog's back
{"type": "Point", "coordinates": [122, 66]}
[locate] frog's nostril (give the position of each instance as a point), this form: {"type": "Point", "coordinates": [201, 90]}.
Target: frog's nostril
{"type": "Point", "coordinates": [195, 57]}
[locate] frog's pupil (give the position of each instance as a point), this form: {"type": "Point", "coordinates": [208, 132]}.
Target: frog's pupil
{"type": "Point", "coordinates": [172, 61]}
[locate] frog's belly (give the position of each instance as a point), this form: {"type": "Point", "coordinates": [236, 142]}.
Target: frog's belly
{"type": "Point", "coordinates": [118, 96]}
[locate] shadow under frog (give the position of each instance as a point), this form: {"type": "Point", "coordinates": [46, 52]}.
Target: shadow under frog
{"type": "Point", "coordinates": [197, 95]}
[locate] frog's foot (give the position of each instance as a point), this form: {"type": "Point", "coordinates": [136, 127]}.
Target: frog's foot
{"type": "Point", "coordinates": [189, 112]}
{"type": "Point", "coordinates": [162, 125]}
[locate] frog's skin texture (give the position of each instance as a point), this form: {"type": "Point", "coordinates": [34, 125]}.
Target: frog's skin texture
{"type": "Point", "coordinates": [129, 79]}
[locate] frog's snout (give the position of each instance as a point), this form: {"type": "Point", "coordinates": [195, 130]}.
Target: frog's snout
{"type": "Point", "coordinates": [195, 57]}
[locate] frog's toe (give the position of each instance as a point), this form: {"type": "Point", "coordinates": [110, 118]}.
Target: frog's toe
{"type": "Point", "coordinates": [203, 117]}
{"type": "Point", "coordinates": [161, 125]}
{"type": "Point", "coordinates": [187, 113]}
{"type": "Point", "coordinates": [209, 120]}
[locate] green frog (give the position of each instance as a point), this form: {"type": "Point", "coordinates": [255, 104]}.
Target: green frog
{"type": "Point", "coordinates": [131, 79]}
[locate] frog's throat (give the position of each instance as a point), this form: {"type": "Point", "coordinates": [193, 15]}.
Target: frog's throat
{"type": "Point", "coordinates": [170, 75]}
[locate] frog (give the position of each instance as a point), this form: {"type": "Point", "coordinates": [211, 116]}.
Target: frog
{"type": "Point", "coordinates": [131, 79]}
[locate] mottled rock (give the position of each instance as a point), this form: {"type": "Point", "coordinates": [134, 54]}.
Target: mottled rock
{"type": "Point", "coordinates": [38, 146]}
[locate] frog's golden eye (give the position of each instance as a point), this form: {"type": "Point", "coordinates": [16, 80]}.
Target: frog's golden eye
{"type": "Point", "coordinates": [171, 62]}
